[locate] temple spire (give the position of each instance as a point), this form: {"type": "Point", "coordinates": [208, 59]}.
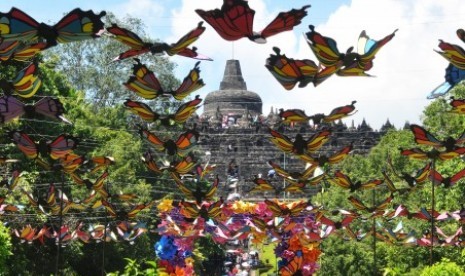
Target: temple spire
{"type": "Point", "coordinates": [232, 78]}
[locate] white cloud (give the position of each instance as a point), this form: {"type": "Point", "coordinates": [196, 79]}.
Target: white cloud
{"type": "Point", "coordinates": [406, 68]}
{"type": "Point", "coordinates": [152, 13]}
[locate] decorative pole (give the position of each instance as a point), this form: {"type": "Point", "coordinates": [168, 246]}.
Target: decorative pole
{"type": "Point", "coordinates": [431, 253]}
{"type": "Point", "coordinates": [57, 266]}
{"type": "Point", "coordinates": [373, 192]}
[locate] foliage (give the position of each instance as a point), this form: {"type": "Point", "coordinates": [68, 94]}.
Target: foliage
{"type": "Point", "coordinates": [5, 247]}
{"type": "Point", "coordinates": [444, 268]}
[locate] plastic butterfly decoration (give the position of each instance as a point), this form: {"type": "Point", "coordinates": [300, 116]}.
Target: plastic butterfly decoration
{"type": "Point", "coordinates": [290, 116]}
{"type": "Point", "coordinates": [348, 63]}
{"type": "Point", "coordinates": [336, 225]}
{"type": "Point", "coordinates": [25, 84]}
{"type": "Point", "coordinates": [453, 76]}
{"type": "Point", "coordinates": [146, 85]}
{"type": "Point", "coordinates": [198, 194]}
{"type": "Point", "coordinates": [101, 163]}
{"type": "Point", "coordinates": [335, 114]}
{"type": "Point", "coordinates": [180, 147]}
{"type": "Point", "coordinates": [337, 157]}
{"type": "Point", "coordinates": [458, 105]}
{"type": "Point", "coordinates": [455, 71]}
{"type": "Point", "coordinates": [342, 180]}
{"type": "Point", "coordinates": [282, 210]}
{"type": "Point", "coordinates": [235, 20]}
{"type": "Point", "coordinates": [326, 51]}
{"type": "Point", "coordinates": [11, 108]}
{"type": "Point", "coordinates": [417, 153]}
{"type": "Point", "coordinates": [376, 208]}
{"type": "Point", "coordinates": [192, 210]}
{"type": "Point", "coordinates": [77, 25]}
{"type": "Point", "coordinates": [420, 177]}
{"type": "Point", "coordinates": [68, 164]}
{"type": "Point", "coordinates": [138, 46]}
{"type": "Point", "coordinates": [263, 185]}
{"type": "Point", "coordinates": [293, 267]}
{"type": "Point", "coordinates": [448, 182]}
{"type": "Point", "coordinates": [424, 137]}
{"type": "Point", "coordinates": [180, 116]}
{"type": "Point", "coordinates": [299, 146]}
{"type": "Point", "coordinates": [367, 48]}
{"type": "Point", "coordinates": [123, 215]}
{"type": "Point", "coordinates": [55, 149]}
{"type": "Point", "coordinates": [175, 169]}
{"type": "Point", "coordinates": [288, 71]}
{"type": "Point", "coordinates": [299, 176]}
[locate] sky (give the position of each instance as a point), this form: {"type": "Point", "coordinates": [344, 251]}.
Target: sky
{"type": "Point", "coordinates": [405, 70]}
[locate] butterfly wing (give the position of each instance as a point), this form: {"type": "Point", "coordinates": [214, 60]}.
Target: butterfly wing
{"type": "Point", "coordinates": [424, 137]}
{"type": "Point", "coordinates": [129, 38]}
{"type": "Point", "coordinates": [79, 25]}
{"type": "Point", "coordinates": [52, 108]}
{"type": "Point", "coordinates": [458, 105]}
{"type": "Point", "coordinates": [191, 83]}
{"type": "Point", "coordinates": [293, 267]}
{"type": "Point", "coordinates": [190, 209]}
{"type": "Point", "coordinates": [415, 153]}
{"type": "Point", "coordinates": [326, 72]}
{"type": "Point", "coordinates": [183, 166]}
{"type": "Point", "coordinates": [373, 183]}
{"type": "Point", "coordinates": [144, 82]}
{"type": "Point", "coordinates": [324, 48]}
{"type": "Point", "coordinates": [367, 49]}
{"type": "Point", "coordinates": [17, 25]}
{"type": "Point", "coordinates": [295, 187]}
{"type": "Point", "coordinates": [10, 108]}
{"type": "Point", "coordinates": [7, 48]}
{"type": "Point", "coordinates": [452, 53]}
{"type": "Point", "coordinates": [153, 139]}
{"type": "Point", "coordinates": [281, 141]}
{"type": "Point", "coordinates": [27, 82]}
{"type": "Point", "coordinates": [186, 40]}
{"type": "Point", "coordinates": [61, 146]}
{"type": "Point", "coordinates": [25, 144]}
{"type": "Point", "coordinates": [142, 110]}
{"type": "Point", "coordinates": [340, 112]}
{"type": "Point", "coordinates": [28, 51]}
{"type": "Point", "coordinates": [288, 72]}
{"type": "Point", "coordinates": [233, 21]}
{"type": "Point", "coordinates": [186, 141]}
{"type": "Point", "coordinates": [317, 140]}
{"type": "Point", "coordinates": [210, 193]}
{"type": "Point", "coordinates": [110, 208]}
{"type": "Point", "coordinates": [262, 185]}
{"type": "Point", "coordinates": [340, 155]}
{"type": "Point", "coordinates": [293, 116]}
{"type": "Point", "coordinates": [284, 21]}
{"type": "Point", "coordinates": [186, 110]}
{"type": "Point", "coordinates": [150, 163]}
{"type": "Point", "coordinates": [357, 204]}
{"type": "Point", "coordinates": [341, 180]}
{"type": "Point", "coordinates": [275, 208]}
{"type": "Point", "coordinates": [456, 177]}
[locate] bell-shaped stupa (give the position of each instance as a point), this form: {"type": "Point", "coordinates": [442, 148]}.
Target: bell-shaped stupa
{"type": "Point", "coordinates": [232, 101]}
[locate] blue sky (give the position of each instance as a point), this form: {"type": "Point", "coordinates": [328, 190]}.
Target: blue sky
{"type": "Point", "coordinates": [406, 69]}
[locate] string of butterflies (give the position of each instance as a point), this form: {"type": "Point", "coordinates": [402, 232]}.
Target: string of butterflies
{"type": "Point", "coordinates": [22, 38]}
